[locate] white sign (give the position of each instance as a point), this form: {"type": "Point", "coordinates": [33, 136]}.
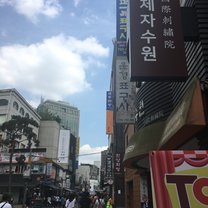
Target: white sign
{"type": "Point", "coordinates": [63, 148]}
{"type": "Point", "coordinates": [125, 93]}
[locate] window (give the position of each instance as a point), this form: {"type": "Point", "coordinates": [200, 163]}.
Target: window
{"type": "Point", "coordinates": [64, 110]}
{"type": "Point", "coordinates": [22, 112]}
{"type": "Point", "coordinates": [27, 115]}
{"type": "Point", "coordinates": [15, 105]}
{"type": "Point", "coordinates": [2, 118]}
{"type": "Point", "coordinates": [3, 102]}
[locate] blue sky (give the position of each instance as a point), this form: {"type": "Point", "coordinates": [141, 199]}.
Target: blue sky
{"type": "Point", "coordinates": [61, 50]}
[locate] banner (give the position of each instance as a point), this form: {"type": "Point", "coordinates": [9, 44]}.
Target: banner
{"type": "Point", "coordinates": [63, 148]}
{"type": "Point", "coordinates": [121, 24]}
{"type": "Point", "coordinates": [179, 179]}
{"type": "Point", "coordinates": [35, 156]}
{"type": "Point", "coordinates": [144, 198]}
{"type": "Point", "coordinates": [109, 112]}
{"type": "Point", "coordinates": [125, 93]}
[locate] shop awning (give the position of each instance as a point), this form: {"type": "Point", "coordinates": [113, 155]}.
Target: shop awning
{"type": "Point", "coordinates": [145, 140]}
{"type": "Point", "coordinates": [186, 120]}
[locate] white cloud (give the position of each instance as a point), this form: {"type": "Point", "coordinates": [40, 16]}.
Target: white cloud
{"type": "Point", "coordinates": [90, 154]}
{"type": "Point", "coordinates": [76, 2]}
{"type": "Point", "coordinates": [90, 19]}
{"type": "Point", "coordinates": [53, 68]}
{"type": "Point", "coordinates": [31, 9]}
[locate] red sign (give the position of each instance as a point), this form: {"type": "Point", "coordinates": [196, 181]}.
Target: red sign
{"type": "Point", "coordinates": [179, 179]}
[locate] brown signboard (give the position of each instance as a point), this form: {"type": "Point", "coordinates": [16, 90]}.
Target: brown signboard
{"type": "Point", "coordinates": [186, 120]}
{"type": "Point", "coordinates": [155, 39]}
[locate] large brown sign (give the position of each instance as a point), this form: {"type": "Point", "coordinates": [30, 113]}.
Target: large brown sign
{"type": "Point", "coordinates": [156, 48]}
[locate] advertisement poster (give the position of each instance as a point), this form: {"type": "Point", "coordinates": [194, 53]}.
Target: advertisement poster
{"type": "Point", "coordinates": [179, 179]}
{"type": "Point", "coordinates": [144, 192]}
{"type": "Point", "coordinates": [63, 147]}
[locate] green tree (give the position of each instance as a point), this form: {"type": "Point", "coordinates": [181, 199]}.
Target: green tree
{"type": "Point", "coordinates": [15, 129]}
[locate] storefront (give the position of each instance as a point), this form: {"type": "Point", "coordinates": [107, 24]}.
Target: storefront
{"type": "Point", "coordinates": [179, 131]}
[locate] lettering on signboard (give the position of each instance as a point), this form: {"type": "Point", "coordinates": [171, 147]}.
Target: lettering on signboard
{"type": "Point", "coordinates": [121, 27]}
{"type": "Point", "coordinates": [147, 18]}
{"type": "Point", "coordinates": [125, 94]}
{"type": "Point", "coordinates": [117, 163]}
{"type": "Point", "coordinates": [198, 185]}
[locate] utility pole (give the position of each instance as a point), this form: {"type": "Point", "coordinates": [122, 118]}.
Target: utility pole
{"type": "Point", "coordinates": [27, 176]}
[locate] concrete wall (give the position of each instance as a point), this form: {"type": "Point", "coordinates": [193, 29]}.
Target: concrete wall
{"type": "Point", "coordinates": [49, 137]}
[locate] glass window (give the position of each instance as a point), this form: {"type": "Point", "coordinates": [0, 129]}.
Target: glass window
{"type": "Point", "coordinates": [3, 102]}
{"type": "Point", "coordinates": [15, 105]}
{"type": "Point", "coordinates": [22, 112]}
{"type": "Point", "coordinates": [27, 115]}
{"type": "Point", "coordinates": [64, 110]}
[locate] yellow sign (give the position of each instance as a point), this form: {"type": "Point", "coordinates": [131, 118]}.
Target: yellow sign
{"type": "Point", "coordinates": [181, 179]}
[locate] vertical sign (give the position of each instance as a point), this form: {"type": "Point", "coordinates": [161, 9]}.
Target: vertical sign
{"type": "Point", "coordinates": [63, 148]}
{"type": "Point", "coordinates": [121, 27]}
{"type": "Point", "coordinates": [144, 199]}
{"type": "Point", "coordinates": [109, 166]}
{"type": "Point", "coordinates": [109, 113]}
{"type": "Point", "coordinates": [180, 179]}
{"type": "Point", "coordinates": [156, 41]}
{"type": "Point", "coordinates": [117, 163]}
{"type": "Point", "coordinates": [125, 93]}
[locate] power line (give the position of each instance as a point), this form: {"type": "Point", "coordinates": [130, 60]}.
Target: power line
{"type": "Point", "coordinates": [80, 155]}
{"type": "Point", "coordinates": [94, 153]}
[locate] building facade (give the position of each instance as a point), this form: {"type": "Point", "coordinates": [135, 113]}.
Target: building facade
{"type": "Point", "coordinates": [87, 178]}
{"type": "Point", "coordinates": [170, 115]}
{"type": "Point", "coordinates": [13, 103]}
{"type": "Point", "coordinates": [69, 115]}
{"type": "Point", "coordinates": [34, 170]}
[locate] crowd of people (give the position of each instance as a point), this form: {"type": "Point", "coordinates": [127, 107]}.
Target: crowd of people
{"type": "Point", "coordinates": [82, 200]}
{"type": "Point", "coordinates": [70, 200]}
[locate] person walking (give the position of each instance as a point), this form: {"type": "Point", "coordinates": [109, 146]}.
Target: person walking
{"type": "Point", "coordinates": [71, 201]}
{"type": "Point", "coordinates": [109, 203]}
{"type": "Point", "coordinates": [63, 201]}
{"type": "Point", "coordinates": [99, 201]}
{"type": "Point", "coordinates": [85, 200]}
{"type": "Point", "coordinates": [5, 203]}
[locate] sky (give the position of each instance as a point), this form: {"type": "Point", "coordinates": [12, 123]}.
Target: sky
{"type": "Point", "coordinates": [61, 50]}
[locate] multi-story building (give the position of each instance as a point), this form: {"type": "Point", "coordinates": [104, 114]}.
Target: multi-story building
{"type": "Point", "coordinates": [69, 115]}
{"type": "Point", "coordinates": [46, 172]}
{"type": "Point", "coordinates": [87, 177]}
{"type": "Point", "coordinates": [61, 149]}
{"type": "Point", "coordinates": [69, 121]}
{"type": "Point", "coordinates": [12, 103]}
{"type": "Point", "coordinates": [170, 115]}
